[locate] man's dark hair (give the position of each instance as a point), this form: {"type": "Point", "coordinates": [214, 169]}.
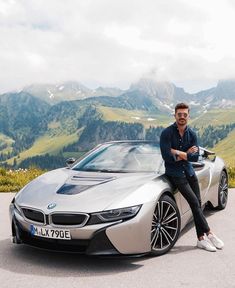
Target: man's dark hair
{"type": "Point", "coordinates": [181, 106]}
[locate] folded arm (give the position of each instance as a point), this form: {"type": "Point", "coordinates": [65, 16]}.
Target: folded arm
{"type": "Point", "coordinates": [190, 155]}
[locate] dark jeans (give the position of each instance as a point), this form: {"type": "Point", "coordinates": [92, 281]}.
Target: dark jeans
{"type": "Point", "coordinates": [189, 188]}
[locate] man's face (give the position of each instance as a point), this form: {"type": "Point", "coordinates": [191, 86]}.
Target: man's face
{"type": "Point", "coordinates": [181, 117]}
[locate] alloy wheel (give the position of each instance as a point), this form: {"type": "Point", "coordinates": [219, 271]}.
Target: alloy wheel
{"type": "Point", "coordinates": [165, 226]}
{"type": "Point", "coordinates": [223, 190]}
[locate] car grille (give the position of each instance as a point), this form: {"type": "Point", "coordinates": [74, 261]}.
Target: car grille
{"type": "Point", "coordinates": [60, 219]}
{"type": "Point", "coordinates": [68, 219]}
{"type": "Point", "coordinates": [34, 215]}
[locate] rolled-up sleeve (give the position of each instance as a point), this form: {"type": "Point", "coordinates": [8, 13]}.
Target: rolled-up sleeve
{"type": "Point", "coordinates": [165, 146]}
{"type": "Point", "coordinates": [193, 157]}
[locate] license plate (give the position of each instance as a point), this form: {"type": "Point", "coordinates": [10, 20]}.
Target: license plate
{"type": "Point", "coordinates": [50, 232]}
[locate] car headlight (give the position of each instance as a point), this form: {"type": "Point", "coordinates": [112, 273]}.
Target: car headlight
{"type": "Point", "coordinates": [15, 207]}
{"type": "Point", "coordinates": [18, 210]}
{"type": "Point", "coordinates": [114, 215]}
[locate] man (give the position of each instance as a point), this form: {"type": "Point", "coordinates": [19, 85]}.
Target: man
{"type": "Point", "coordinates": [179, 147]}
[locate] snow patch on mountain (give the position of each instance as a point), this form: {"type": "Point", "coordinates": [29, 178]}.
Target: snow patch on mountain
{"type": "Point", "coordinates": [51, 95]}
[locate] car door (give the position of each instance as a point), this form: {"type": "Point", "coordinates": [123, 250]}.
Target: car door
{"type": "Point", "coordinates": [202, 170]}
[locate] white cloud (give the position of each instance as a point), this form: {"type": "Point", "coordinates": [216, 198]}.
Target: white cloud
{"type": "Point", "coordinates": [179, 28]}
{"type": "Point", "coordinates": [115, 42]}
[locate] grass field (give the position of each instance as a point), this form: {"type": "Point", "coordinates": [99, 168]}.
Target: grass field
{"type": "Point", "coordinates": [215, 118]}
{"type": "Point", "coordinates": [226, 149]}
{"type": "Point", "coordinates": [47, 144]}
{"type": "Point", "coordinates": [134, 116]}
{"type": "Point", "coordinates": [14, 180]}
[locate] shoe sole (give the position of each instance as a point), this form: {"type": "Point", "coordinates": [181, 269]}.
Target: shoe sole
{"type": "Point", "coordinates": [220, 248]}
{"type": "Point", "coordinates": [207, 249]}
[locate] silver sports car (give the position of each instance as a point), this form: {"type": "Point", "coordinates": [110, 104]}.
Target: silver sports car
{"type": "Point", "coordinates": [114, 200]}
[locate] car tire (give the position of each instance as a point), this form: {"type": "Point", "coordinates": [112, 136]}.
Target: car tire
{"type": "Point", "coordinates": [222, 191]}
{"type": "Point", "coordinates": [165, 227]}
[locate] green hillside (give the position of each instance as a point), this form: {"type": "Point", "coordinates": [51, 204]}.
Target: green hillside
{"type": "Point", "coordinates": [214, 117]}
{"type": "Point", "coordinates": [226, 150]}
{"type": "Point", "coordinates": [46, 144]}
{"type": "Point", "coordinates": [6, 142]}
{"type": "Point", "coordinates": [134, 116]}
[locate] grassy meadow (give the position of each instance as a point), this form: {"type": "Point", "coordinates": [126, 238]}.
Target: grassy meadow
{"type": "Point", "coordinates": [214, 117]}
{"type": "Point", "coordinates": [225, 149]}
{"type": "Point", "coordinates": [51, 144]}
{"type": "Point", "coordinates": [14, 180]}
{"type": "Point", "coordinates": [134, 116]}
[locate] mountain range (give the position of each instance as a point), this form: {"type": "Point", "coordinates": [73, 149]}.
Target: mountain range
{"type": "Point", "coordinates": [146, 94]}
{"type": "Point", "coordinates": [67, 91]}
{"type": "Point", "coordinates": [162, 95]}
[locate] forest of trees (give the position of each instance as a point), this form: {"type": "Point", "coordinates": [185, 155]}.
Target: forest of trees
{"type": "Point", "coordinates": [211, 135]}
{"type": "Point", "coordinates": [97, 131]}
{"type": "Point", "coordinates": [46, 161]}
{"type": "Point", "coordinates": [100, 131]}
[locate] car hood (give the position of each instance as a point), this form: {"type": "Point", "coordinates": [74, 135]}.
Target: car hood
{"type": "Point", "coordinates": [80, 191]}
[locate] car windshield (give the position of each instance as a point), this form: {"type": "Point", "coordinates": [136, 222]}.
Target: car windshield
{"type": "Point", "coordinates": [122, 157]}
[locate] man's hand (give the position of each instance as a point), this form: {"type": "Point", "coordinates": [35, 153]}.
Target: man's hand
{"type": "Point", "coordinates": [176, 153]}
{"type": "Point", "coordinates": [173, 151]}
{"type": "Point", "coordinates": [193, 149]}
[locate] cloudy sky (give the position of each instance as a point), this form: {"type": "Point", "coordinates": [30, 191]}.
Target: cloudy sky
{"type": "Point", "coordinates": [115, 42]}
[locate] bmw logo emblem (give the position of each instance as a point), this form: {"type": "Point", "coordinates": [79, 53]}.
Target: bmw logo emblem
{"type": "Point", "coordinates": [51, 206]}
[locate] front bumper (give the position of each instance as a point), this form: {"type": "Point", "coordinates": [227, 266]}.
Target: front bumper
{"type": "Point", "coordinates": [99, 244]}
{"type": "Point", "coordinates": [128, 237]}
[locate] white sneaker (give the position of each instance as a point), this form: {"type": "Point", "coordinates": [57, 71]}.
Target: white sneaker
{"type": "Point", "coordinates": [219, 244]}
{"type": "Point", "coordinates": [206, 244]}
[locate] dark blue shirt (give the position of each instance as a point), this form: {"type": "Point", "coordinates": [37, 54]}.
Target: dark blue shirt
{"type": "Point", "coordinates": [170, 138]}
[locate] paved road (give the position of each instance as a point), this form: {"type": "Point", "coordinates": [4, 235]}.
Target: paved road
{"type": "Point", "coordinates": [184, 266]}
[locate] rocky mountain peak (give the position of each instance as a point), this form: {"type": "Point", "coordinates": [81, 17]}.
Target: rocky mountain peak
{"type": "Point", "coordinates": [162, 90]}
{"type": "Point", "coordinates": [225, 89]}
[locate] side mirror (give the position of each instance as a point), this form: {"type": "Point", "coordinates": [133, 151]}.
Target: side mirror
{"type": "Point", "coordinates": [70, 161]}
{"type": "Point", "coordinates": [207, 154]}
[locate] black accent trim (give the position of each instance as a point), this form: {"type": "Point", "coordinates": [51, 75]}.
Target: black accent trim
{"type": "Point", "coordinates": [101, 245]}
{"type": "Point", "coordinates": [73, 189]}
{"type": "Point", "coordinates": [94, 219]}
{"type": "Point", "coordinates": [47, 219]}
{"type": "Point", "coordinates": [198, 165]}
{"type": "Point", "coordinates": [98, 245]}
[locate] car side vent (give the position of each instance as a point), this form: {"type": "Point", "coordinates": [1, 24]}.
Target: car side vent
{"type": "Point", "coordinates": [92, 180]}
